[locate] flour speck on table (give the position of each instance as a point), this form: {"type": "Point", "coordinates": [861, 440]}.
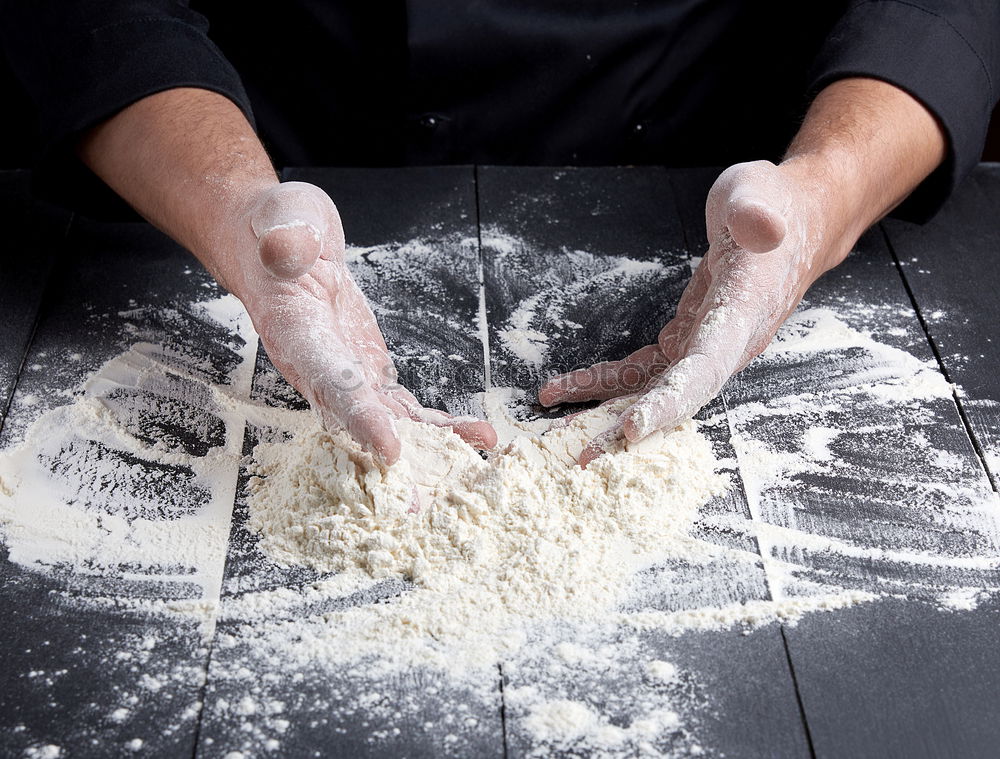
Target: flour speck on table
{"type": "Point", "coordinates": [450, 567]}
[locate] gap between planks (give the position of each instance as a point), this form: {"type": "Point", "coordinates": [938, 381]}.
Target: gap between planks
{"type": "Point", "coordinates": [973, 438]}
{"type": "Point", "coordinates": [484, 334]}
{"type": "Point", "coordinates": [676, 190]}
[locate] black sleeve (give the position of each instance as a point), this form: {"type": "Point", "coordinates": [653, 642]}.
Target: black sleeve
{"type": "Point", "coordinates": [82, 61]}
{"type": "Point", "coordinates": [946, 53]}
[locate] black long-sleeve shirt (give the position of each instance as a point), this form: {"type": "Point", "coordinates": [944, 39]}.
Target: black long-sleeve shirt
{"type": "Point", "coordinates": [671, 82]}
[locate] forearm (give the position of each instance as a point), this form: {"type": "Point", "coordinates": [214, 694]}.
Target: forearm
{"type": "Point", "coordinates": [864, 146]}
{"type": "Point", "coordinates": [189, 162]}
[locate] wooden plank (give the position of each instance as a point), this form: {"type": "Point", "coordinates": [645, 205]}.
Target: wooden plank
{"type": "Point", "coordinates": [89, 666]}
{"type": "Point", "coordinates": [900, 679]}
{"type": "Point", "coordinates": [33, 233]}
{"type": "Point", "coordinates": [885, 499]}
{"type": "Point", "coordinates": [869, 676]}
{"type": "Point", "coordinates": [418, 226]}
{"type": "Point", "coordinates": [952, 266]}
{"type": "Point", "coordinates": [589, 263]}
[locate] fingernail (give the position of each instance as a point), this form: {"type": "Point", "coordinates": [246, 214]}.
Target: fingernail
{"type": "Point", "coordinates": [636, 427]}
{"type": "Point", "coordinates": [293, 224]}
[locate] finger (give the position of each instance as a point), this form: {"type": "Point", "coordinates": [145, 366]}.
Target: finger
{"type": "Point", "coordinates": [613, 379]}
{"type": "Point", "coordinates": [682, 391]}
{"type": "Point", "coordinates": [293, 224]}
{"type": "Point", "coordinates": [372, 426]}
{"type": "Point", "coordinates": [675, 334]}
{"type": "Point", "coordinates": [754, 224]}
{"type": "Point", "coordinates": [369, 422]}
{"type": "Point", "coordinates": [718, 346]}
{"type": "Point", "coordinates": [476, 432]}
{"type": "Point", "coordinates": [608, 379]}
{"type": "Point", "coordinates": [336, 387]}
{"type": "Point", "coordinates": [567, 420]}
{"type": "Point", "coordinates": [601, 444]}
{"type": "Point", "coordinates": [751, 202]}
{"type": "Point", "coordinates": [288, 251]}
{"type": "Point", "coordinates": [396, 408]}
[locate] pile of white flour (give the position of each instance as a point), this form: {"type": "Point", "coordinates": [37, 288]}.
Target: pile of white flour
{"type": "Point", "coordinates": [524, 535]}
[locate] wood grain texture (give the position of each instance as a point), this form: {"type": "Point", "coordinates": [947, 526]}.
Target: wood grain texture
{"type": "Point", "coordinates": [73, 657]}
{"type": "Point", "coordinates": [591, 259]}
{"type": "Point", "coordinates": [33, 236]}
{"type": "Point", "coordinates": [569, 236]}
{"type": "Point", "coordinates": [900, 679]}
{"type": "Point", "coordinates": [419, 267]}
{"type": "Point", "coordinates": [952, 266]}
{"type": "Point", "coordinates": [888, 500]}
{"type": "Point", "coordinates": [895, 678]}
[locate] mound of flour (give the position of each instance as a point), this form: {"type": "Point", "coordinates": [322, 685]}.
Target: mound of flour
{"type": "Point", "coordinates": [524, 535]}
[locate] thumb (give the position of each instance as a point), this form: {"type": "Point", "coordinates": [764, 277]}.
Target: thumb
{"type": "Point", "coordinates": [293, 223]}
{"type": "Point", "coordinates": [751, 202]}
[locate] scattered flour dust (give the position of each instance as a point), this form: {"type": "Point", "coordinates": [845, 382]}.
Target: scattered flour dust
{"type": "Point", "coordinates": [47, 751]}
{"type": "Point", "coordinates": [569, 723]}
{"type": "Point", "coordinates": [118, 483]}
{"type": "Point", "coordinates": [455, 563]}
{"type": "Point", "coordinates": [525, 333]}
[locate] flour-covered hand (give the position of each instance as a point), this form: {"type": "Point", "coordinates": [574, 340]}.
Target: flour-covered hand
{"type": "Point", "coordinates": [765, 249]}
{"type": "Point", "coordinates": [317, 326]}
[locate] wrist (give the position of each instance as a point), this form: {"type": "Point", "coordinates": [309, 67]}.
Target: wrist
{"type": "Point", "coordinates": [223, 239]}
{"type": "Point", "coordinates": [863, 147]}
{"type": "Point", "coordinates": [188, 161]}
{"type": "Point", "coordinates": [274, 233]}
{"type": "Point", "coordinates": [833, 196]}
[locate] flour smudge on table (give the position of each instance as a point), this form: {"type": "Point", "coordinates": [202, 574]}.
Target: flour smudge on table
{"type": "Point", "coordinates": [159, 421]}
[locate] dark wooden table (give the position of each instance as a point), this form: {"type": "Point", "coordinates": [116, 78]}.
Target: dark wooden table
{"type": "Point", "coordinates": [901, 677]}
